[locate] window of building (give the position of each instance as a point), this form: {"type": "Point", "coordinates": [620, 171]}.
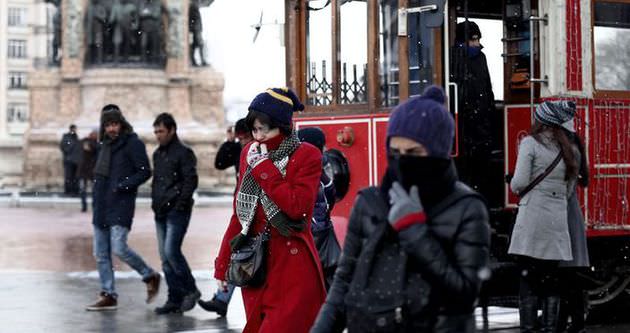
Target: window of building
{"type": "Point", "coordinates": [17, 17]}
{"type": "Point", "coordinates": [17, 48]}
{"type": "Point", "coordinates": [611, 45]}
{"type": "Point", "coordinates": [17, 113]}
{"type": "Point", "coordinates": [17, 80]}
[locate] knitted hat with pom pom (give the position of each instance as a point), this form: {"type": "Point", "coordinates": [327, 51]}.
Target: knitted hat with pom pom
{"type": "Point", "coordinates": [278, 103]}
{"type": "Point", "coordinates": [425, 120]}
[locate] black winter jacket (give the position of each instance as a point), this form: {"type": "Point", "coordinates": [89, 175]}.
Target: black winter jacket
{"type": "Point", "coordinates": [229, 154]}
{"type": "Point", "coordinates": [174, 178]}
{"type": "Point", "coordinates": [476, 99]}
{"type": "Point", "coordinates": [70, 148]}
{"type": "Point", "coordinates": [450, 249]}
{"type": "Point", "coordinates": [114, 196]}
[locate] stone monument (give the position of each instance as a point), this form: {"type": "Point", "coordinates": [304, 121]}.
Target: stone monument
{"type": "Point", "coordinates": [134, 53]}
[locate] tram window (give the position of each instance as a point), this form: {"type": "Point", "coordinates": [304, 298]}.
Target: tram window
{"type": "Point", "coordinates": [420, 52]}
{"type": "Point", "coordinates": [388, 55]}
{"type": "Point", "coordinates": [611, 40]}
{"type": "Point", "coordinates": [319, 64]}
{"type": "Point", "coordinates": [353, 52]}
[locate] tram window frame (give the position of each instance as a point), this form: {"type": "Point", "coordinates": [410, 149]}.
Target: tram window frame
{"type": "Point", "coordinates": [603, 93]}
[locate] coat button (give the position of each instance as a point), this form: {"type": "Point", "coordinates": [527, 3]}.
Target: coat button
{"type": "Point", "coordinates": [289, 243]}
{"type": "Point", "coordinates": [263, 175]}
{"type": "Point", "coordinates": [294, 251]}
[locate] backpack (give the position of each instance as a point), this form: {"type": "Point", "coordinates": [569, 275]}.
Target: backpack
{"type": "Point", "coordinates": [387, 292]}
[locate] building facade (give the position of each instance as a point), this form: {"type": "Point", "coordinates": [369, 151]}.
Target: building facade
{"type": "Point", "coordinates": [25, 44]}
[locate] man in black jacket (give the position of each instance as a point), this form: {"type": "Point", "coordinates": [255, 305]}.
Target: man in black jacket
{"type": "Point", "coordinates": [121, 167]}
{"type": "Point", "coordinates": [435, 228]}
{"type": "Point", "coordinates": [174, 182]}
{"type": "Point", "coordinates": [70, 149]}
{"type": "Point", "coordinates": [469, 69]}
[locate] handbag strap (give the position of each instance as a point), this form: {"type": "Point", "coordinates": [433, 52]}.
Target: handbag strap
{"type": "Point", "coordinates": [542, 176]}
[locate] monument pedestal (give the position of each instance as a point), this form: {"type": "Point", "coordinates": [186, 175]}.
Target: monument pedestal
{"type": "Point", "coordinates": [194, 98]}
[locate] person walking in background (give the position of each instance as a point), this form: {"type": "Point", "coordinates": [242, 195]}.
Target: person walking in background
{"type": "Point", "coordinates": [573, 298]}
{"type": "Point", "coordinates": [540, 239]}
{"type": "Point", "coordinates": [174, 182]}
{"type": "Point", "coordinates": [417, 248]}
{"type": "Point", "coordinates": [321, 225]}
{"type": "Point", "coordinates": [229, 154]}
{"type": "Point", "coordinates": [121, 167]}
{"type": "Point", "coordinates": [85, 170]}
{"type": "Point", "coordinates": [279, 177]}
{"type": "Point", "coordinates": [71, 152]}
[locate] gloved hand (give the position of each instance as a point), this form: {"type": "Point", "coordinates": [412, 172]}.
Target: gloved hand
{"type": "Point", "coordinates": [406, 208]}
{"type": "Point", "coordinates": [256, 154]}
{"type": "Point", "coordinates": [222, 286]}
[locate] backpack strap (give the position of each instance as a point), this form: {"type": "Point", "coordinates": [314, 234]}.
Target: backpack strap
{"type": "Point", "coordinates": [461, 191]}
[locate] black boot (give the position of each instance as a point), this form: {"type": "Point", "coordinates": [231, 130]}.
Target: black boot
{"type": "Point", "coordinates": [214, 305]}
{"type": "Point", "coordinates": [528, 313]}
{"type": "Point", "coordinates": [577, 310]}
{"type": "Point", "coordinates": [551, 307]}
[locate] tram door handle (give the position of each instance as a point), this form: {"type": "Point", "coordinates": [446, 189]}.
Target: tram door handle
{"type": "Point", "coordinates": [532, 21]}
{"type": "Point", "coordinates": [455, 110]}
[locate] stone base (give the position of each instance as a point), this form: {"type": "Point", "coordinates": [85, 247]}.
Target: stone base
{"type": "Point", "coordinates": [194, 99]}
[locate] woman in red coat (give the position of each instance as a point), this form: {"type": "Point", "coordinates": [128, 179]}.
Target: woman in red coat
{"type": "Point", "coordinates": [278, 182]}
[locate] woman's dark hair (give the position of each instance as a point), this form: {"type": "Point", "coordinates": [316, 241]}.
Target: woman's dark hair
{"type": "Point", "coordinates": [583, 174]}
{"type": "Point", "coordinates": [562, 139]}
{"type": "Point", "coordinates": [165, 119]}
{"type": "Point", "coordinates": [264, 119]}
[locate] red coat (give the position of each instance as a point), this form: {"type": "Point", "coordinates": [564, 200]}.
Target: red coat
{"type": "Point", "coordinates": [294, 288]}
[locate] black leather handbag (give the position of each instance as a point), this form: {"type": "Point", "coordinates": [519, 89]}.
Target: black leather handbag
{"type": "Point", "coordinates": [247, 266]}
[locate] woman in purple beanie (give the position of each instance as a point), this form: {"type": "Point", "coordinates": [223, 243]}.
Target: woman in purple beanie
{"type": "Point", "coordinates": [416, 250]}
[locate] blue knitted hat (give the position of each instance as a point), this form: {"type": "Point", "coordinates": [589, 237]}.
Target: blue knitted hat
{"type": "Point", "coordinates": [425, 120]}
{"type": "Point", "coordinates": [555, 113]}
{"type": "Point", "coordinates": [278, 103]}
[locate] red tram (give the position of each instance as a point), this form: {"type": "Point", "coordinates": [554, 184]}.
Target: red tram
{"type": "Point", "coordinates": [352, 61]}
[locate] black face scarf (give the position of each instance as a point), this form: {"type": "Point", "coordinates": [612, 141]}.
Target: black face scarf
{"type": "Point", "coordinates": [434, 177]}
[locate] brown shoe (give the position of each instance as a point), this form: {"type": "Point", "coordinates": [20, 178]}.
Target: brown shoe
{"type": "Point", "coordinates": [153, 286]}
{"type": "Point", "coordinates": [106, 302]}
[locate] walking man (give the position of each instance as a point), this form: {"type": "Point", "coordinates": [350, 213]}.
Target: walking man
{"type": "Point", "coordinates": [121, 167]}
{"type": "Point", "coordinates": [174, 182]}
{"type": "Point", "coordinates": [85, 171]}
{"type": "Point", "coordinates": [69, 146]}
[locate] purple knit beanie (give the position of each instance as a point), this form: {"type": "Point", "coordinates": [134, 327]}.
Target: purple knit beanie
{"type": "Point", "coordinates": [425, 120]}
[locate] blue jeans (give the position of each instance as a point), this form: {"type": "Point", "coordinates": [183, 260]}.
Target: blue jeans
{"type": "Point", "coordinates": [224, 296]}
{"type": "Point", "coordinates": [114, 239]}
{"type": "Point", "coordinates": [170, 234]}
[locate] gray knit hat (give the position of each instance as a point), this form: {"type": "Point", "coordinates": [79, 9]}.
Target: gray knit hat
{"type": "Point", "coordinates": [556, 113]}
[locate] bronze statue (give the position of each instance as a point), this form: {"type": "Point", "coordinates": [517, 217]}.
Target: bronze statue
{"type": "Point", "coordinates": [56, 21]}
{"type": "Point", "coordinates": [196, 28]}
{"type": "Point", "coordinates": [96, 24]}
{"type": "Point", "coordinates": [151, 30]}
{"type": "Point", "coordinates": [124, 20]}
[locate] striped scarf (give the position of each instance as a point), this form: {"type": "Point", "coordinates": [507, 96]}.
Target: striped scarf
{"type": "Point", "coordinates": [250, 192]}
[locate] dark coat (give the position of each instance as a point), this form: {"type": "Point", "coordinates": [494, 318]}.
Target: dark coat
{"type": "Point", "coordinates": [70, 149]}
{"type": "Point", "coordinates": [88, 159]}
{"type": "Point", "coordinates": [475, 97]}
{"type": "Point", "coordinates": [324, 204]}
{"type": "Point", "coordinates": [115, 196]}
{"type": "Point", "coordinates": [228, 155]}
{"type": "Point", "coordinates": [450, 250]}
{"type": "Point", "coordinates": [174, 178]}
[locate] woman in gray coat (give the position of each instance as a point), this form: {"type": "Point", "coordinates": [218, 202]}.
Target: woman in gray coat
{"type": "Point", "coordinates": [541, 239]}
